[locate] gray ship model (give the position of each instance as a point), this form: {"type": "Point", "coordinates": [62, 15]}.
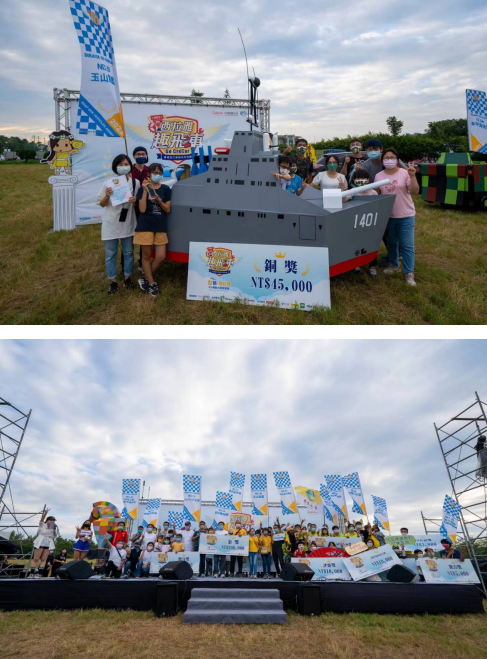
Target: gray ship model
{"type": "Point", "coordinates": [237, 200]}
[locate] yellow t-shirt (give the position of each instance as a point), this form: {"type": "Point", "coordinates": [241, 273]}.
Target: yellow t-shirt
{"type": "Point", "coordinates": [253, 544]}
{"type": "Point", "coordinates": [177, 546]}
{"type": "Point", "coordinates": [239, 532]}
{"type": "Point", "coordinates": [265, 544]}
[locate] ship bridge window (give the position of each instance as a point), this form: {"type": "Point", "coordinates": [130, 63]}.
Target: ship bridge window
{"type": "Point", "coordinates": [217, 169]}
{"type": "Point", "coordinates": [245, 149]}
{"type": "Point", "coordinates": [229, 212]}
{"type": "Point", "coordinates": [264, 159]}
{"type": "Point", "coordinates": [273, 184]}
{"type": "Point", "coordinates": [280, 217]}
{"type": "Point", "coordinates": [239, 182]}
{"type": "Point", "coordinates": [208, 180]}
{"type": "Point", "coordinates": [225, 159]}
{"type": "Point", "coordinates": [261, 215]}
{"type": "Point", "coordinates": [207, 211]}
{"type": "Point", "coordinates": [267, 183]}
{"type": "Point", "coordinates": [217, 180]}
{"type": "Point", "coordinates": [252, 182]}
{"type": "Point", "coordinates": [241, 214]}
{"type": "Point", "coordinates": [254, 160]}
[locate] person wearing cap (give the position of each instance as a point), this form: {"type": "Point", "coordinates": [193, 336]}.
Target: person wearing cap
{"type": "Point", "coordinates": [449, 552]}
{"type": "Point", "coordinates": [46, 535]}
{"type": "Point", "coordinates": [304, 165]}
{"type": "Point", "coordinates": [373, 165]}
{"type": "Point", "coordinates": [187, 534]}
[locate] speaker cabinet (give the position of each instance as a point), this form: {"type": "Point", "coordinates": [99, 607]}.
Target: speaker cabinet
{"type": "Point", "coordinates": [176, 571]}
{"type": "Point", "coordinates": [309, 600]}
{"type": "Point", "coordinates": [166, 600]}
{"type": "Point", "coordinates": [400, 574]}
{"type": "Point", "coordinates": [75, 570]}
{"type": "Point", "coordinates": [296, 572]}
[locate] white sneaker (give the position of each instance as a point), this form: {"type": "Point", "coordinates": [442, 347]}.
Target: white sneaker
{"type": "Point", "coordinates": [215, 576]}
{"type": "Point", "coordinates": [223, 575]}
{"type": "Point", "coordinates": [410, 279]}
{"type": "Point", "coordinates": [391, 269]}
{"type": "Point", "coordinates": [372, 271]}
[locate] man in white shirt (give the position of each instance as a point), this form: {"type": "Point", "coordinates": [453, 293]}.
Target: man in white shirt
{"type": "Point", "coordinates": [187, 534]}
{"type": "Point", "coordinates": [116, 560]}
{"type": "Point", "coordinates": [220, 560]}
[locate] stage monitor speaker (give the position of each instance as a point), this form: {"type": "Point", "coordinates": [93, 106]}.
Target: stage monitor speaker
{"type": "Point", "coordinates": [176, 571]}
{"type": "Point", "coordinates": [296, 572]}
{"type": "Point", "coordinates": [97, 554]}
{"type": "Point", "coordinates": [309, 600]}
{"type": "Point", "coordinates": [400, 574]}
{"type": "Point", "coordinates": [75, 570]}
{"type": "Point", "coordinates": [166, 600]}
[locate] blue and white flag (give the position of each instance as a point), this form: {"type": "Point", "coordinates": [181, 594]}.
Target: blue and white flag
{"type": "Point", "coordinates": [237, 484]}
{"type": "Point", "coordinates": [130, 497]}
{"type": "Point", "coordinates": [330, 512]}
{"type": "Point", "coordinates": [223, 506]}
{"type": "Point", "coordinates": [380, 513]}
{"type": "Point", "coordinates": [451, 515]}
{"type": "Point", "coordinates": [286, 492]}
{"type": "Point", "coordinates": [351, 483]}
{"type": "Point", "coordinates": [477, 120]}
{"type": "Point", "coordinates": [100, 109]}
{"type": "Point", "coordinates": [335, 489]}
{"type": "Point", "coordinates": [151, 512]}
{"type": "Point", "coordinates": [258, 491]}
{"type": "Point", "coordinates": [192, 498]}
{"type": "Point", "coordinates": [175, 519]}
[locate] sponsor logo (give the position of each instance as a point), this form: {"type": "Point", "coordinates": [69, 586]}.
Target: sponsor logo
{"type": "Point", "coordinates": [174, 136]}
{"type": "Point", "coordinates": [220, 260]}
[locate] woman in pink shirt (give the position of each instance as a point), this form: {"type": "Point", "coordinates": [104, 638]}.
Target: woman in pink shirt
{"type": "Point", "coordinates": [400, 229]}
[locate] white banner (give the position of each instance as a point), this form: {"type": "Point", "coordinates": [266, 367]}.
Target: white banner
{"type": "Point", "coordinates": [100, 111]}
{"type": "Point", "coordinates": [311, 500]}
{"type": "Point", "coordinates": [351, 483]}
{"type": "Point", "coordinates": [258, 489]}
{"type": "Point", "coordinates": [223, 507]}
{"type": "Point", "coordinates": [231, 545]}
{"type": "Point", "coordinates": [451, 515]}
{"type": "Point", "coordinates": [151, 512]}
{"type": "Point", "coordinates": [331, 515]}
{"type": "Point", "coordinates": [192, 498]}
{"type": "Point", "coordinates": [447, 570]}
{"type": "Point", "coordinates": [371, 562]}
{"type": "Point", "coordinates": [380, 513]}
{"type": "Point", "coordinates": [326, 569]}
{"type": "Point", "coordinates": [477, 120]}
{"type": "Point", "coordinates": [237, 484]}
{"type": "Point", "coordinates": [412, 542]}
{"type": "Point", "coordinates": [160, 559]}
{"type": "Point", "coordinates": [130, 497]}
{"type": "Point", "coordinates": [335, 488]}
{"type": "Point", "coordinates": [338, 541]}
{"type": "Point", "coordinates": [286, 492]}
{"type": "Point", "coordinates": [143, 126]}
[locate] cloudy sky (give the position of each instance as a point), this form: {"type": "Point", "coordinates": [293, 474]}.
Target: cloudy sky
{"type": "Point", "coordinates": [329, 69]}
{"type": "Point", "coordinates": [105, 410]}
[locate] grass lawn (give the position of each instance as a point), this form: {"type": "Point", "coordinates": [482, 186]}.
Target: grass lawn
{"type": "Point", "coordinates": [51, 278]}
{"type": "Point", "coordinates": [113, 634]}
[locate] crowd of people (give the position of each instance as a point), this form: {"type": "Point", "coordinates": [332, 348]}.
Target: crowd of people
{"type": "Point", "coordinates": [130, 557]}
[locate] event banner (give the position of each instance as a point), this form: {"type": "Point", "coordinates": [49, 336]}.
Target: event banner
{"type": "Point", "coordinates": [351, 483]}
{"type": "Point", "coordinates": [175, 519]}
{"type": "Point", "coordinates": [239, 518]}
{"type": "Point", "coordinates": [223, 506]}
{"type": "Point", "coordinates": [331, 515]}
{"type": "Point", "coordinates": [258, 491]}
{"type": "Point", "coordinates": [230, 545]}
{"type": "Point", "coordinates": [451, 515]}
{"type": "Point", "coordinates": [324, 540]}
{"type": "Point", "coordinates": [130, 497]}
{"type": "Point", "coordinates": [371, 562]}
{"type": "Point", "coordinates": [380, 513]}
{"type": "Point", "coordinates": [335, 488]}
{"type": "Point", "coordinates": [447, 570]}
{"type": "Point", "coordinates": [100, 109]}
{"type": "Point", "coordinates": [267, 275]}
{"type": "Point", "coordinates": [237, 484]}
{"type": "Point", "coordinates": [159, 559]}
{"type": "Point", "coordinates": [477, 120]}
{"type": "Point", "coordinates": [192, 498]}
{"type": "Point", "coordinates": [158, 128]}
{"type": "Point", "coordinates": [309, 499]}
{"type": "Point", "coordinates": [326, 569]}
{"type": "Point", "coordinates": [286, 492]}
{"type": "Point", "coordinates": [412, 542]}
{"type": "Point", "coordinates": [151, 512]}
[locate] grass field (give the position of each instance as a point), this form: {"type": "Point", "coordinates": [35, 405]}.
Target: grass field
{"type": "Point", "coordinates": [51, 278]}
{"type": "Point", "coordinates": [91, 634]}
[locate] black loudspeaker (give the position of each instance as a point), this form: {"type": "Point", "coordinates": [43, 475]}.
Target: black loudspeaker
{"type": "Point", "coordinates": [400, 574]}
{"type": "Point", "coordinates": [296, 572]}
{"type": "Point", "coordinates": [309, 600]}
{"type": "Point", "coordinates": [97, 554]}
{"type": "Point", "coordinates": [75, 570]}
{"type": "Point", "coordinates": [176, 571]}
{"type": "Point", "coordinates": [166, 600]}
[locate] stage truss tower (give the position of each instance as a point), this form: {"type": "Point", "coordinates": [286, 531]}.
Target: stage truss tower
{"type": "Point", "coordinates": [460, 441]}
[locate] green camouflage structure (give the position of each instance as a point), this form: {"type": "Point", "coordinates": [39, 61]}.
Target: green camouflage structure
{"type": "Point", "coordinates": [455, 180]}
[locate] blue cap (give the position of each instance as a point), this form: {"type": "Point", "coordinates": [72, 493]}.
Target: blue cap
{"type": "Point", "coordinates": [139, 148]}
{"type": "Point", "coordinates": [373, 142]}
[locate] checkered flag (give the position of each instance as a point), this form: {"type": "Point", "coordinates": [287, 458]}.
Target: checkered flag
{"type": "Point", "coordinates": [477, 102]}
{"type": "Point", "coordinates": [192, 484]}
{"type": "Point", "coordinates": [237, 480]}
{"type": "Point", "coordinates": [176, 519]}
{"type": "Point", "coordinates": [92, 27]}
{"type": "Point", "coordinates": [451, 515]}
{"type": "Point", "coordinates": [281, 479]}
{"type": "Point", "coordinates": [258, 482]}
{"type": "Point", "coordinates": [130, 486]}
{"type": "Point", "coordinates": [224, 500]}
{"type": "Point", "coordinates": [334, 483]}
{"type": "Point", "coordinates": [351, 481]}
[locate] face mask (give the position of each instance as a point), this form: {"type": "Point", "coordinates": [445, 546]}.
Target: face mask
{"type": "Point", "coordinates": [119, 546]}
{"type": "Point", "coordinates": [390, 163]}
{"type": "Point", "coordinates": [220, 528]}
{"type": "Point", "coordinates": [332, 166]}
{"type": "Point", "coordinates": [166, 526]}
{"type": "Point", "coordinates": [141, 160]}
{"type": "Point", "coordinates": [265, 532]}
{"type": "Point", "coordinates": [123, 169]}
{"type": "Point", "coordinates": [420, 555]}
{"type": "Point", "coordinates": [351, 530]}
{"type": "Point", "coordinates": [358, 527]}
{"type": "Point", "coordinates": [293, 170]}
{"type": "Point", "coordinates": [157, 178]}
{"type": "Point", "coordinates": [359, 182]}
{"type": "Point", "coordinates": [404, 532]}
{"type": "Point", "coordinates": [179, 539]}
{"type": "Point", "coordinates": [283, 170]}
{"type": "Point", "coordinates": [150, 548]}
{"type": "Point", "coordinates": [276, 530]}
{"type": "Point", "coordinates": [373, 154]}
{"type": "Point", "coordinates": [170, 533]}
{"type": "Point", "coordinates": [120, 528]}
{"type": "Point", "coordinates": [369, 545]}
{"type": "Point", "coordinates": [355, 149]}
{"type": "Point", "coordinates": [140, 530]}
{"type": "Point", "coordinates": [166, 542]}
{"type": "Point", "coordinates": [301, 149]}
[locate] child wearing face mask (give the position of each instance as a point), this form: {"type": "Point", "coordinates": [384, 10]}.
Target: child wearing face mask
{"type": "Point", "coordinates": [143, 566]}
{"type": "Point", "coordinates": [154, 204]}
{"type": "Point", "coordinates": [116, 560]}
{"type": "Point", "coordinates": [360, 177]}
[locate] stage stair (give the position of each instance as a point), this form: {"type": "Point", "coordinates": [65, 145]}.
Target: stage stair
{"type": "Point", "coordinates": [235, 606]}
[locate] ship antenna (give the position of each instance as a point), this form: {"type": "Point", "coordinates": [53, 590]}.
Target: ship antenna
{"type": "Point", "coordinates": [252, 84]}
{"type": "Point", "coordinates": [245, 53]}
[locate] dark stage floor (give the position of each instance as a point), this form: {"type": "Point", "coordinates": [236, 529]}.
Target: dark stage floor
{"type": "Point", "coordinates": [142, 594]}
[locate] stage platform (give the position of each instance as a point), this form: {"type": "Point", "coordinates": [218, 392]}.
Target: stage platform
{"type": "Point", "coordinates": [147, 594]}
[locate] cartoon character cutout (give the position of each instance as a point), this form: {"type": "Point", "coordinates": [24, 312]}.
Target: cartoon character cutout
{"type": "Point", "coordinates": [61, 145]}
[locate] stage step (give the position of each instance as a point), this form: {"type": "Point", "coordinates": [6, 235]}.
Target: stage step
{"type": "Point", "coordinates": [234, 606]}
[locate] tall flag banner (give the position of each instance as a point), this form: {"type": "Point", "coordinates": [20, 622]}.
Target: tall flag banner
{"type": "Point", "coordinates": [223, 506]}
{"type": "Point", "coordinates": [286, 492]}
{"type": "Point", "coordinates": [380, 513]}
{"type": "Point", "coordinates": [237, 484]}
{"type": "Point", "coordinates": [331, 514]}
{"type": "Point", "coordinates": [130, 497]}
{"type": "Point", "coordinates": [192, 498]}
{"type": "Point", "coordinates": [175, 519]}
{"type": "Point", "coordinates": [335, 488]}
{"type": "Point", "coordinates": [151, 512]}
{"type": "Point", "coordinates": [258, 490]}
{"type": "Point", "coordinates": [310, 499]}
{"type": "Point", "coordinates": [100, 109]}
{"type": "Point", "coordinates": [477, 120]}
{"type": "Point", "coordinates": [351, 483]}
{"type": "Point", "coordinates": [451, 515]}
